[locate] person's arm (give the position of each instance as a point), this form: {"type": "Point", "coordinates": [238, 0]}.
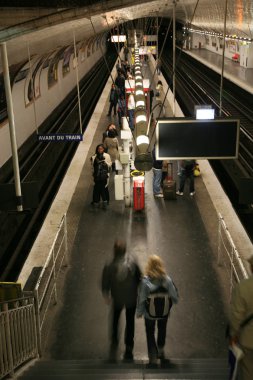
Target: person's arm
{"type": "Point", "coordinates": [237, 313]}
{"type": "Point", "coordinates": [172, 291]}
{"type": "Point", "coordinates": [142, 297]}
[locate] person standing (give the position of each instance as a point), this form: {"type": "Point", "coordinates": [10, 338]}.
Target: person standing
{"type": "Point", "coordinates": [111, 145]}
{"type": "Point", "coordinates": [101, 163]}
{"type": "Point", "coordinates": [121, 108]}
{"type": "Point", "coordinates": [113, 99]}
{"type": "Point", "coordinates": [120, 281]}
{"type": "Point", "coordinates": [241, 323]}
{"type": "Point", "coordinates": [157, 289]}
{"type": "Point", "coordinates": [157, 175]}
{"type": "Point", "coordinates": [187, 172]}
{"type": "Point", "coordinates": [130, 110]}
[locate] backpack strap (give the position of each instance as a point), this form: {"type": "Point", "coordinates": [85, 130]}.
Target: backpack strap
{"type": "Point", "coordinates": [246, 321]}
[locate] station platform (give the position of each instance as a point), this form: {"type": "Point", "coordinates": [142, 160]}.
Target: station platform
{"type": "Point", "coordinates": [183, 232]}
{"type": "Point", "coordinates": [241, 76]}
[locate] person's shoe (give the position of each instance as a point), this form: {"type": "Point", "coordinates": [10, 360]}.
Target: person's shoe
{"type": "Point", "coordinates": [104, 204]}
{"type": "Point", "coordinates": [128, 355]}
{"type": "Point", "coordinates": [179, 192]}
{"type": "Point", "coordinates": [161, 354]}
{"type": "Point", "coordinates": [158, 195]}
{"type": "Point", "coordinates": [192, 193]}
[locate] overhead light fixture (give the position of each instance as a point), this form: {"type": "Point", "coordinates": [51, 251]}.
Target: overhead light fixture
{"type": "Point", "coordinates": [142, 139]}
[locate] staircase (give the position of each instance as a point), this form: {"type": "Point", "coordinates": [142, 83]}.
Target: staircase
{"type": "Point", "coordinates": [194, 369]}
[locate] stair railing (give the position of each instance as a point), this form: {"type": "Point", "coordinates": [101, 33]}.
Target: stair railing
{"type": "Point", "coordinates": [45, 290]}
{"type": "Point", "coordinates": [231, 257]}
{"type": "Point", "coordinates": [18, 337]}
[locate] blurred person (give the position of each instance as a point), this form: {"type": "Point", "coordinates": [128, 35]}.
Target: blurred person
{"type": "Point", "coordinates": [130, 110]}
{"type": "Point", "coordinates": [101, 164]}
{"type": "Point", "coordinates": [121, 108]}
{"type": "Point", "coordinates": [156, 296]}
{"type": "Point", "coordinates": [111, 145]}
{"type": "Point", "coordinates": [120, 281]}
{"type": "Point", "coordinates": [186, 172]}
{"type": "Point", "coordinates": [113, 99]}
{"type": "Point", "coordinates": [110, 127]}
{"type": "Point", "coordinates": [157, 175]}
{"type": "Point", "coordinates": [241, 324]}
{"type": "Point", "coordinates": [158, 67]}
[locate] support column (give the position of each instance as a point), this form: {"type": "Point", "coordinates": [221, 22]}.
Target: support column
{"type": "Point", "coordinates": [10, 112]}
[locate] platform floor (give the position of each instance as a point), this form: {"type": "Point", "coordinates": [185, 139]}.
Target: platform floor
{"type": "Point", "coordinates": [237, 74]}
{"type": "Point", "coordinates": [176, 231]}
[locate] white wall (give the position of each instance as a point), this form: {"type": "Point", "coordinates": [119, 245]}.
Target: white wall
{"type": "Point", "coordinates": [44, 105]}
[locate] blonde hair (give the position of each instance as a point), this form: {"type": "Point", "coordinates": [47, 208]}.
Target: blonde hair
{"type": "Point", "coordinates": [155, 267]}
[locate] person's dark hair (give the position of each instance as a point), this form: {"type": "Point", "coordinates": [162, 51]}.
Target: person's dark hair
{"type": "Point", "coordinates": [159, 82]}
{"type": "Point", "coordinates": [119, 248]}
{"type": "Point", "coordinates": [98, 147]}
{"type": "Point", "coordinates": [111, 133]}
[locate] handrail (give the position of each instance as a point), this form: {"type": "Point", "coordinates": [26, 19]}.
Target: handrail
{"type": "Point", "coordinates": [46, 285]}
{"type": "Point", "coordinates": [237, 268]}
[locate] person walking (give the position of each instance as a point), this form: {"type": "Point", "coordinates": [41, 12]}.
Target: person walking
{"type": "Point", "coordinates": [113, 99]}
{"type": "Point", "coordinates": [186, 172]}
{"type": "Point", "coordinates": [156, 296]}
{"type": "Point", "coordinates": [120, 281]}
{"type": "Point", "coordinates": [158, 67]}
{"type": "Point", "coordinates": [157, 175]}
{"type": "Point", "coordinates": [241, 324]}
{"type": "Point", "coordinates": [101, 164]}
{"type": "Point", "coordinates": [110, 127]}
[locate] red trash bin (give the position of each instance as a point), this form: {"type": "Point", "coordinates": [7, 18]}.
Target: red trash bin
{"type": "Point", "coordinates": [139, 194]}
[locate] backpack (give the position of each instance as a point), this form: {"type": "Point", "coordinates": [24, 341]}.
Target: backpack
{"type": "Point", "coordinates": [158, 303]}
{"type": "Point", "coordinates": [100, 170]}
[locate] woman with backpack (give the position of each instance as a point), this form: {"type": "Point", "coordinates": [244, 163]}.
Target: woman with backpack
{"type": "Point", "coordinates": [156, 296]}
{"type": "Point", "coordinates": [101, 163]}
{"type": "Point", "coordinates": [111, 145]}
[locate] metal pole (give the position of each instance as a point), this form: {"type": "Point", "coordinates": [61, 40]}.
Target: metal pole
{"type": "Point", "coordinates": [126, 167]}
{"type": "Point", "coordinates": [118, 35]}
{"type": "Point", "coordinates": [7, 86]}
{"type": "Point", "coordinates": [174, 57]}
{"type": "Point", "coordinates": [157, 28]}
{"type": "Point", "coordinates": [223, 57]}
{"type": "Point", "coordinates": [8, 340]}
{"type": "Point", "coordinates": [77, 85]}
{"type": "Point", "coordinates": [38, 323]}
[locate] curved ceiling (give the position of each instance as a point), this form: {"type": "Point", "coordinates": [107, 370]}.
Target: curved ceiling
{"type": "Point", "coordinates": [51, 27]}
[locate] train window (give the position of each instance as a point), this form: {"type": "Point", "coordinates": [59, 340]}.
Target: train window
{"type": "Point", "coordinates": [33, 86]}
{"type": "Point", "coordinates": [89, 47]}
{"type": "Point", "coordinates": [66, 60]}
{"type": "Point", "coordinates": [82, 51]}
{"type": "Point", "coordinates": [53, 67]}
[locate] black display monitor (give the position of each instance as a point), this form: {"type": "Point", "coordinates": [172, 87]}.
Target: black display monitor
{"type": "Point", "coordinates": [199, 139]}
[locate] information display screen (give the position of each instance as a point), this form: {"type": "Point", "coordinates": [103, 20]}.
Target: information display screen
{"type": "Point", "coordinates": [199, 139]}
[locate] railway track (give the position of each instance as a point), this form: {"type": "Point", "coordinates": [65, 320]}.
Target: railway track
{"type": "Point", "coordinates": [46, 163]}
{"type": "Point", "coordinates": [196, 84]}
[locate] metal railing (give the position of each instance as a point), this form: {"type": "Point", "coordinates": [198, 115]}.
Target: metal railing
{"type": "Point", "coordinates": [231, 257]}
{"type": "Point", "coordinates": [22, 320]}
{"type": "Point", "coordinates": [45, 290]}
{"type": "Point", "coordinates": [18, 338]}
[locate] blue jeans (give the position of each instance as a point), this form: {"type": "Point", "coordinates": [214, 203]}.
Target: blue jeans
{"type": "Point", "coordinates": [157, 177]}
{"type": "Point", "coordinates": [131, 119]}
{"type": "Point", "coordinates": [183, 178]}
{"type": "Point", "coordinates": [154, 343]}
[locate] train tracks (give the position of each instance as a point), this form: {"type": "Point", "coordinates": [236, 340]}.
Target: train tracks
{"type": "Point", "coordinates": [46, 163]}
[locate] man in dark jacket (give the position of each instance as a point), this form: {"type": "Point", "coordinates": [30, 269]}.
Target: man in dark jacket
{"type": "Point", "coordinates": [113, 99]}
{"type": "Point", "coordinates": [120, 281]}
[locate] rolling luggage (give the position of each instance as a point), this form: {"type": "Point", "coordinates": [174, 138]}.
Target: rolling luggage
{"type": "Point", "coordinates": [169, 185]}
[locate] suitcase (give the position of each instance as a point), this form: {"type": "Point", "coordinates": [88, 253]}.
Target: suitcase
{"type": "Point", "coordinates": [169, 185]}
